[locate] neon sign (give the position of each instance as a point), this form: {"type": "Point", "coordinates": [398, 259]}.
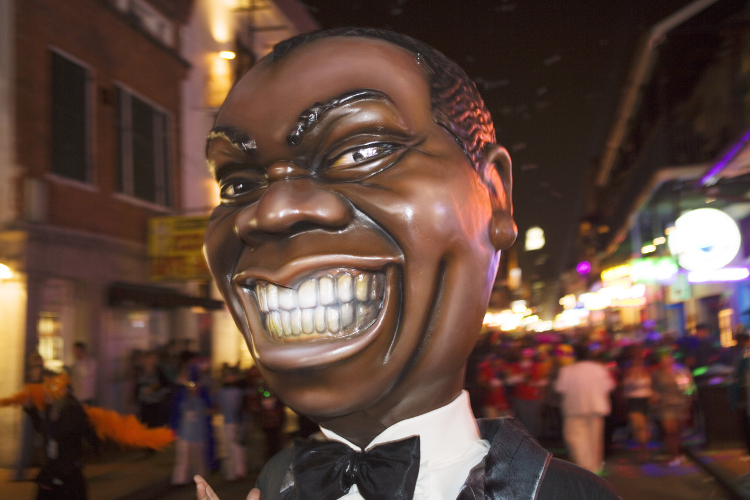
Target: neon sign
{"type": "Point", "coordinates": [650, 270]}
{"type": "Point", "coordinates": [616, 272]}
{"type": "Point", "coordinates": [723, 274]}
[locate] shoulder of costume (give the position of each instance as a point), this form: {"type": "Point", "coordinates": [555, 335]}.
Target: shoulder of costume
{"type": "Point", "coordinates": [513, 454]}
{"type": "Point", "coordinates": [565, 480]}
{"type": "Point", "coordinates": [273, 476]}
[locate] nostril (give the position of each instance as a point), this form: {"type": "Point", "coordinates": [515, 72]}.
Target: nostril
{"type": "Point", "coordinates": [306, 225]}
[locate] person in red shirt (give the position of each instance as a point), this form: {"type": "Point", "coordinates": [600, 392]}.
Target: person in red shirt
{"type": "Point", "coordinates": [492, 380]}
{"type": "Point", "coordinates": [529, 380]}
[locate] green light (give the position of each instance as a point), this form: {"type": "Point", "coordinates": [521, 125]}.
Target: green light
{"type": "Point", "coordinates": [267, 394]}
{"type": "Point", "coordinates": [700, 371]}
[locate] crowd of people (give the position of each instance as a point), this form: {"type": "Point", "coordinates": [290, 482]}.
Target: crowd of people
{"type": "Point", "coordinates": [170, 386]}
{"type": "Point", "coordinates": [593, 390]}
{"type": "Point", "coordinates": [175, 386]}
{"type": "Point", "coordinates": [586, 391]}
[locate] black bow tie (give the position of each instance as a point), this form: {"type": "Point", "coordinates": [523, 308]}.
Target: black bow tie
{"type": "Point", "coordinates": [326, 470]}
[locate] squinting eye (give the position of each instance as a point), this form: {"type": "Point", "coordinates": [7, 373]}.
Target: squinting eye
{"type": "Point", "coordinates": [235, 188]}
{"type": "Point", "coordinates": [362, 154]}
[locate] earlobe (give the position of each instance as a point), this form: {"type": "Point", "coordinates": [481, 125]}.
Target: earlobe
{"type": "Point", "coordinates": [503, 230]}
{"type": "Point", "coordinates": [499, 178]}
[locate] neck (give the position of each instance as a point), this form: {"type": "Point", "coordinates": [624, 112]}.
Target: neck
{"type": "Point", "coordinates": [362, 427]}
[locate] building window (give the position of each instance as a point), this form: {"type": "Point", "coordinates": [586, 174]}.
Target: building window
{"type": "Point", "coordinates": [726, 328]}
{"type": "Point", "coordinates": [143, 150]}
{"type": "Point", "coordinates": [69, 119]}
{"type": "Point", "coordinates": [49, 331]}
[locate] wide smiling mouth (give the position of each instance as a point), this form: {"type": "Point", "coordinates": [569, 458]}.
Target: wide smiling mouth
{"type": "Point", "coordinates": [337, 304]}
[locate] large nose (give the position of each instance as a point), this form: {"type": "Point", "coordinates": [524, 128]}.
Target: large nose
{"type": "Point", "coordinates": [293, 205]}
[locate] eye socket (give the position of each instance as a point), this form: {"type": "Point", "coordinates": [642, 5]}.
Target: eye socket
{"type": "Point", "coordinates": [362, 161]}
{"type": "Point", "coordinates": [240, 185]}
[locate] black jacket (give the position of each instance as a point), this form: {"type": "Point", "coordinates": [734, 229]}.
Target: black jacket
{"type": "Point", "coordinates": [516, 467]}
{"type": "Point", "coordinates": [63, 439]}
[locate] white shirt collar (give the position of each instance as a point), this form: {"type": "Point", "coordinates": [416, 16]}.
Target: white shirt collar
{"type": "Point", "coordinates": [450, 445]}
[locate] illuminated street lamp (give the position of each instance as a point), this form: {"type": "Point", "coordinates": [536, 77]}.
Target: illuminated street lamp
{"type": "Point", "coordinates": [5, 272]}
{"type": "Point", "coordinates": [534, 239]}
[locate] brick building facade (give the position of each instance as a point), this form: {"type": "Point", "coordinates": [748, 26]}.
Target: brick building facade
{"type": "Point", "coordinates": [91, 100]}
{"type": "Point", "coordinates": [104, 110]}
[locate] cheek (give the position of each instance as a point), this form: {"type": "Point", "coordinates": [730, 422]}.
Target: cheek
{"type": "Point", "coordinates": [220, 244]}
{"type": "Point", "coordinates": [455, 212]}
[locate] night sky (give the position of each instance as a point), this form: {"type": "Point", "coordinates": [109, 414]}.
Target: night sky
{"type": "Point", "coordinates": [551, 73]}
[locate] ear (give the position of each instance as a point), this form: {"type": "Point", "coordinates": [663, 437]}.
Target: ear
{"type": "Point", "coordinates": [499, 178]}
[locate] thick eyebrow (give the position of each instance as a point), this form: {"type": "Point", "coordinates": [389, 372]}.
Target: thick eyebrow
{"type": "Point", "coordinates": [239, 139]}
{"type": "Point", "coordinates": [314, 113]}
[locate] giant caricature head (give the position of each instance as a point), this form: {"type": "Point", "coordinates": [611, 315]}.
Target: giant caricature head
{"type": "Point", "coordinates": [364, 203]}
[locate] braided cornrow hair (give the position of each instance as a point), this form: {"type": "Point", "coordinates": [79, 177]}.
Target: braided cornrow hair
{"type": "Point", "coordinates": [456, 103]}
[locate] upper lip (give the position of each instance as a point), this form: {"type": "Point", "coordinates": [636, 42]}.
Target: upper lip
{"type": "Point", "coordinates": [294, 272]}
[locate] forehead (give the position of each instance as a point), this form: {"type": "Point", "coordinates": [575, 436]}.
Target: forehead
{"type": "Point", "coordinates": [278, 92]}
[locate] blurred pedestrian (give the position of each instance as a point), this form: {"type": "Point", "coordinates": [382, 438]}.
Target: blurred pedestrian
{"type": "Point", "coordinates": [585, 386]}
{"type": "Point", "coordinates": [699, 349]}
{"type": "Point", "coordinates": [492, 380]}
{"type": "Point", "coordinates": [64, 425]}
{"type": "Point", "coordinates": [738, 393]}
{"type": "Point", "coordinates": [637, 391]}
{"type": "Point", "coordinates": [551, 416]}
{"type": "Point", "coordinates": [30, 439]}
{"type": "Point", "coordinates": [673, 389]}
{"type": "Point", "coordinates": [191, 420]}
{"type": "Point", "coordinates": [268, 411]}
{"type": "Point", "coordinates": [152, 389]}
{"type": "Point", "coordinates": [529, 381]}
{"type": "Point", "coordinates": [232, 399]}
{"type": "Point", "coordinates": [83, 376]}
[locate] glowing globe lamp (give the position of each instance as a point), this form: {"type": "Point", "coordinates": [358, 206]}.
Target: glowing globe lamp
{"type": "Point", "coordinates": [704, 239]}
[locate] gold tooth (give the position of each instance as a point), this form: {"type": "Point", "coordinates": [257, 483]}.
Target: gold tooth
{"type": "Point", "coordinates": [362, 287]}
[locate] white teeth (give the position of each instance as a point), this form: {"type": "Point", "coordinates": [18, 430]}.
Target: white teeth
{"type": "Point", "coordinates": [286, 322]}
{"type": "Point", "coordinates": [340, 303]}
{"type": "Point", "coordinates": [296, 320]}
{"type": "Point", "coordinates": [272, 297]}
{"type": "Point", "coordinates": [344, 288]}
{"type": "Point", "coordinates": [276, 323]}
{"type": "Point", "coordinates": [332, 315]}
{"type": "Point", "coordinates": [261, 293]}
{"type": "Point", "coordinates": [308, 294]}
{"type": "Point", "coordinates": [308, 320]}
{"type": "Point", "coordinates": [320, 319]}
{"type": "Point", "coordinates": [327, 295]}
{"type": "Point", "coordinates": [287, 299]}
{"type": "Point", "coordinates": [363, 282]}
{"type": "Point", "coordinates": [347, 314]}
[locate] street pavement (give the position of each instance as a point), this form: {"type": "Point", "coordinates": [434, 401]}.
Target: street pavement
{"type": "Point", "coordinates": [131, 475]}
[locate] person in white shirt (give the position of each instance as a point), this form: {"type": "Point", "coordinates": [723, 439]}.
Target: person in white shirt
{"type": "Point", "coordinates": [364, 204]}
{"type": "Point", "coordinates": [585, 386]}
{"type": "Point", "coordinates": [83, 375]}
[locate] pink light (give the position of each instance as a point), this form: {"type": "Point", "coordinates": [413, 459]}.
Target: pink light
{"type": "Point", "coordinates": [723, 274]}
{"type": "Point", "coordinates": [583, 267]}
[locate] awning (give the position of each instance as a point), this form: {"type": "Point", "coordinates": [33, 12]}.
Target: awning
{"type": "Point", "coordinates": [156, 297]}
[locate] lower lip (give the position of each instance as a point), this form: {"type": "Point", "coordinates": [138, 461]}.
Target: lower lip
{"type": "Point", "coordinates": [318, 350]}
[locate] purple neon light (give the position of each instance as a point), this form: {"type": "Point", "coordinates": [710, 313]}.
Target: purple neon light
{"type": "Point", "coordinates": [583, 267]}
{"type": "Point", "coordinates": [729, 156]}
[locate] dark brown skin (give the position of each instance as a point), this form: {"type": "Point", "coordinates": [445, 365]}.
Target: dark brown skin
{"type": "Point", "coordinates": [416, 211]}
